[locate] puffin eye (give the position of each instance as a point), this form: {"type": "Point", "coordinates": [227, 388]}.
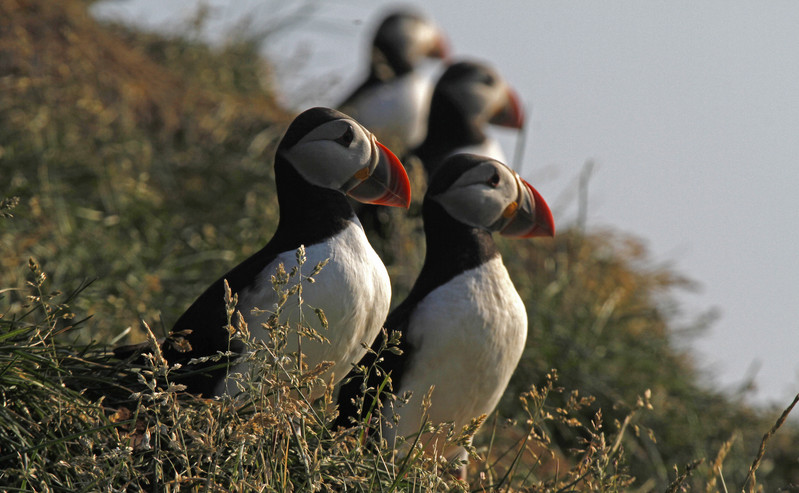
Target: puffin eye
{"type": "Point", "coordinates": [346, 138]}
{"type": "Point", "coordinates": [493, 181]}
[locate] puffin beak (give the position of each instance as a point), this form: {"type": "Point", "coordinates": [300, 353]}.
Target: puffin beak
{"type": "Point", "coordinates": [387, 184]}
{"type": "Point", "coordinates": [511, 115]}
{"type": "Point", "coordinates": [440, 48]}
{"type": "Point", "coordinates": [530, 217]}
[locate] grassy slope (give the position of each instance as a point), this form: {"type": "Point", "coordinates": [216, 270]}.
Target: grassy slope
{"type": "Point", "coordinates": [145, 163]}
{"type": "Point", "coordinates": [131, 166]}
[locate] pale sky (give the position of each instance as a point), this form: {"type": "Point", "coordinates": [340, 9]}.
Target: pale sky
{"type": "Point", "coordinates": [689, 110]}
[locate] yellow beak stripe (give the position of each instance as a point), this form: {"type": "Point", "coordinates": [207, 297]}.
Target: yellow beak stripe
{"type": "Point", "coordinates": [362, 173]}
{"type": "Point", "coordinates": [510, 209]}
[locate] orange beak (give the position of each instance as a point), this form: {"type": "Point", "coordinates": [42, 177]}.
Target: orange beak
{"type": "Point", "coordinates": [532, 217]}
{"type": "Point", "coordinates": [387, 184]}
{"type": "Point", "coordinates": [511, 115]}
{"type": "Point", "coordinates": [440, 48]}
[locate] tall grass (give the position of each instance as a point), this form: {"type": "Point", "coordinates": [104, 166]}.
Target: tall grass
{"type": "Point", "coordinates": [75, 419]}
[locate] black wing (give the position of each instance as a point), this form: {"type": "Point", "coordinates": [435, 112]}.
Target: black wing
{"type": "Point", "coordinates": [203, 326]}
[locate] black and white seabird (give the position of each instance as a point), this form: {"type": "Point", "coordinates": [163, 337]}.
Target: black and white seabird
{"type": "Point", "coordinates": [467, 98]}
{"type": "Point", "coordinates": [463, 326]}
{"type": "Point", "coordinates": [394, 100]}
{"type": "Point", "coordinates": [323, 155]}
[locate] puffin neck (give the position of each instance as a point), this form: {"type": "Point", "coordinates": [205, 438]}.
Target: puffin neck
{"type": "Point", "coordinates": [447, 130]}
{"type": "Point", "coordinates": [308, 213]}
{"type": "Point", "coordinates": [378, 74]}
{"type": "Point", "coordinates": [387, 65]}
{"type": "Point", "coordinates": [452, 248]}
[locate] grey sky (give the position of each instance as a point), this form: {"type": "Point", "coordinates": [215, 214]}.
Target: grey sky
{"type": "Point", "coordinates": [690, 111]}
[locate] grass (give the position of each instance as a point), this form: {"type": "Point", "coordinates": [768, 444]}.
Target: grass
{"type": "Point", "coordinates": [137, 168]}
{"type": "Point", "coordinates": [75, 419]}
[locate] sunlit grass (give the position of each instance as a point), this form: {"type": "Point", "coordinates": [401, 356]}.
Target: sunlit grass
{"type": "Point", "coordinates": [135, 169]}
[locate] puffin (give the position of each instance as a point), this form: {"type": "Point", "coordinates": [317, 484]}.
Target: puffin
{"type": "Point", "coordinates": [394, 100]}
{"type": "Point", "coordinates": [323, 157]}
{"type": "Point", "coordinates": [463, 326]}
{"type": "Point", "coordinates": [468, 97]}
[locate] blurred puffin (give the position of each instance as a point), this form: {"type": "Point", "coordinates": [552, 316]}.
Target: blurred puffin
{"type": "Point", "coordinates": [323, 155]}
{"type": "Point", "coordinates": [463, 326]}
{"type": "Point", "coordinates": [394, 100]}
{"type": "Point", "coordinates": [467, 98]}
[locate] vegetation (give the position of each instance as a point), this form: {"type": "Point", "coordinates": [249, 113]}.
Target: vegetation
{"type": "Point", "coordinates": [137, 168]}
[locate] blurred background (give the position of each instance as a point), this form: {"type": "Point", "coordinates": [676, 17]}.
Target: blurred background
{"type": "Point", "coordinates": [682, 116]}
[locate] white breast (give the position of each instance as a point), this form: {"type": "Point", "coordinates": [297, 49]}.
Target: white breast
{"type": "Point", "coordinates": [468, 336]}
{"type": "Point", "coordinates": [396, 112]}
{"type": "Point", "coordinates": [353, 290]}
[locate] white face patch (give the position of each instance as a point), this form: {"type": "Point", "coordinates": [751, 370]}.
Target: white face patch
{"type": "Point", "coordinates": [425, 36]}
{"type": "Point", "coordinates": [323, 158]}
{"type": "Point", "coordinates": [480, 196]}
{"type": "Point", "coordinates": [413, 37]}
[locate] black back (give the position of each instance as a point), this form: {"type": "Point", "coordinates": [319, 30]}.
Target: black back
{"type": "Point", "coordinates": [452, 248]}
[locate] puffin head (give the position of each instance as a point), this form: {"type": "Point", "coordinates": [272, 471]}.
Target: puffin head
{"type": "Point", "coordinates": [480, 94]}
{"type": "Point", "coordinates": [331, 150]}
{"type": "Point", "coordinates": [402, 41]}
{"type": "Point", "coordinates": [484, 193]}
